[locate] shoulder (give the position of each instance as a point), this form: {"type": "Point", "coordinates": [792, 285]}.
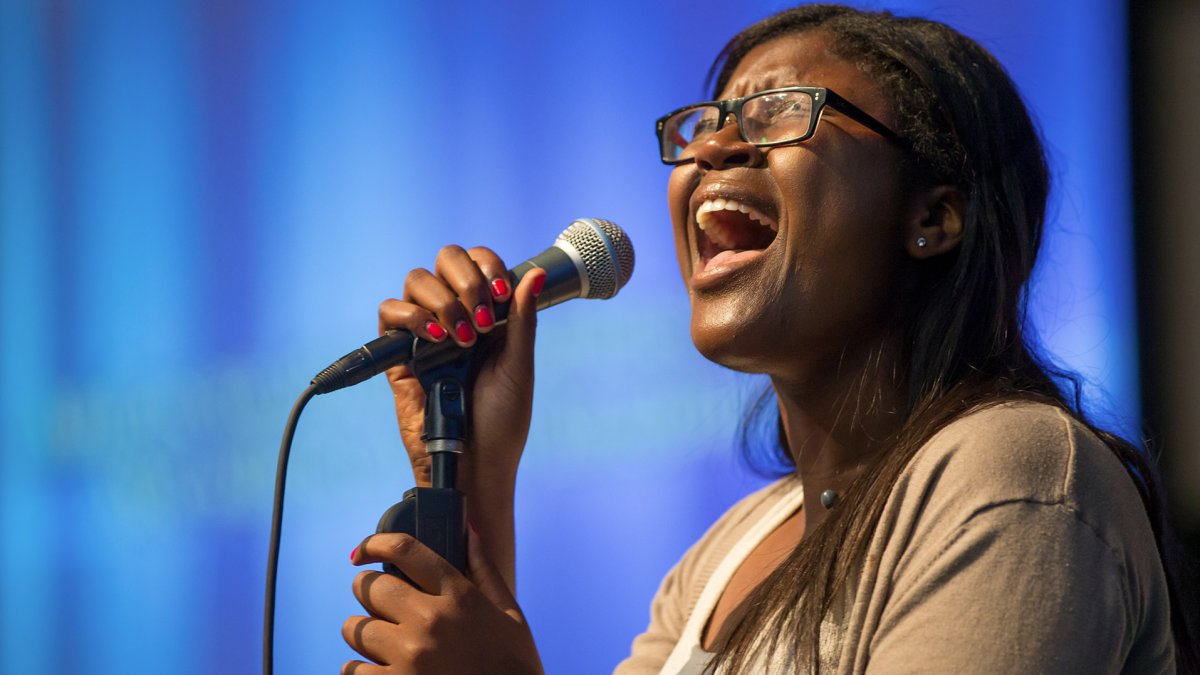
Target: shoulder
{"type": "Point", "coordinates": [1009, 490]}
{"type": "Point", "coordinates": [1006, 468]}
{"type": "Point", "coordinates": [1026, 452]}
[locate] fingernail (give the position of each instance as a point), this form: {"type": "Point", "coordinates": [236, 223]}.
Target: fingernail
{"type": "Point", "coordinates": [538, 283]}
{"type": "Point", "coordinates": [435, 331]}
{"type": "Point", "coordinates": [464, 331]}
{"type": "Point", "coordinates": [483, 317]}
{"type": "Point", "coordinates": [499, 288]}
{"type": "Point", "coordinates": [352, 553]}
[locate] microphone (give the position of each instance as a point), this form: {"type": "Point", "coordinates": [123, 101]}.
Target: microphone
{"type": "Point", "coordinates": [592, 258]}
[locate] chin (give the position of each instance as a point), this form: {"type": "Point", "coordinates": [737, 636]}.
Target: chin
{"type": "Point", "coordinates": [731, 344]}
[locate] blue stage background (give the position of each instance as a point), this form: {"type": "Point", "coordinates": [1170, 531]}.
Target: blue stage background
{"type": "Point", "coordinates": [203, 202]}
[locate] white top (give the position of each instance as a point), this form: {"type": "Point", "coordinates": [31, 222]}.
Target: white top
{"type": "Point", "coordinates": [689, 657]}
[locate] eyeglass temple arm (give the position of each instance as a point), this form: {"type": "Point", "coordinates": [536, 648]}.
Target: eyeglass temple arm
{"type": "Point", "coordinates": [859, 115]}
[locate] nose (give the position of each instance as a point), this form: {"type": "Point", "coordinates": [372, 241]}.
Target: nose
{"type": "Point", "coordinates": [725, 149]}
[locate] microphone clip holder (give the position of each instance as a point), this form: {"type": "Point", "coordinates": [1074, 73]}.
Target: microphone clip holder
{"type": "Point", "coordinates": [436, 515]}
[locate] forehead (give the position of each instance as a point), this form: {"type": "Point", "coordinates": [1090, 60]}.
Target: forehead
{"type": "Point", "coordinates": [798, 59]}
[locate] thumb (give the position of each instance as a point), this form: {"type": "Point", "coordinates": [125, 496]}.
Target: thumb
{"type": "Point", "coordinates": [488, 579]}
{"type": "Point", "coordinates": [522, 322]}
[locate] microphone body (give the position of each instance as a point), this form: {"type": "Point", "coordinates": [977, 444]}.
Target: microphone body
{"type": "Point", "coordinates": [592, 258]}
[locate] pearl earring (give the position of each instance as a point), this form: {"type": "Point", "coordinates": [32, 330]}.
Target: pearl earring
{"type": "Point", "coordinates": [921, 242]}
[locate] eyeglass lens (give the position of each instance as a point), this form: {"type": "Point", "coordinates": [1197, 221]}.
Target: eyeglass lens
{"type": "Point", "coordinates": [768, 118]}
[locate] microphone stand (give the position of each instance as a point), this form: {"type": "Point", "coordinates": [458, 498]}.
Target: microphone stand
{"type": "Point", "coordinates": [436, 515]}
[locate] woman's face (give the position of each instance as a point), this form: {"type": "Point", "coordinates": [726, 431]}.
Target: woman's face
{"type": "Point", "coordinates": [827, 279]}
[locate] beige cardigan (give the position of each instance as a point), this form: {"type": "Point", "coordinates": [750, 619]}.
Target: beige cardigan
{"type": "Point", "coordinates": [1014, 542]}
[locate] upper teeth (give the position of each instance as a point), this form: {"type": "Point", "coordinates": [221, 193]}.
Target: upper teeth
{"type": "Point", "coordinates": [711, 205]}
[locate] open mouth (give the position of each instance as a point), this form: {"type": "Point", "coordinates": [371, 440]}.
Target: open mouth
{"type": "Point", "coordinates": [731, 231]}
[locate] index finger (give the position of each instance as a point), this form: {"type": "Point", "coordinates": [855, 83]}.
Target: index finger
{"type": "Point", "coordinates": [428, 570]}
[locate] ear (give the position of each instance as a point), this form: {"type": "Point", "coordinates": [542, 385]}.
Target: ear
{"type": "Point", "coordinates": [935, 222]}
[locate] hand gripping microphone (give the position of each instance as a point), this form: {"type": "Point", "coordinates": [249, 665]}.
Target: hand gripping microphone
{"type": "Point", "coordinates": [592, 258]}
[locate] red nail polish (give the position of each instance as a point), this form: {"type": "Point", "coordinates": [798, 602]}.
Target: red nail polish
{"type": "Point", "coordinates": [499, 288]}
{"type": "Point", "coordinates": [483, 317]}
{"type": "Point", "coordinates": [538, 283]}
{"type": "Point", "coordinates": [435, 331]}
{"type": "Point", "coordinates": [464, 331]}
{"type": "Point", "coordinates": [352, 553]}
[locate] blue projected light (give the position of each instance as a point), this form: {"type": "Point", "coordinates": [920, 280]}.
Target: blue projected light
{"type": "Point", "coordinates": [202, 204]}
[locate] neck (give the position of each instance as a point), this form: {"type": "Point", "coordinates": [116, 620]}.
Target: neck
{"type": "Point", "coordinates": [837, 419]}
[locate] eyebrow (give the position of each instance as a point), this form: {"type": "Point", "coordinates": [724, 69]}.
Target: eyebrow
{"type": "Point", "coordinates": [772, 81]}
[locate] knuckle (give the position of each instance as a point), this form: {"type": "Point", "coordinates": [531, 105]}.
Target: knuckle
{"type": "Point", "coordinates": [448, 307]}
{"type": "Point", "coordinates": [360, 579]}
{"type": "Point", "coordinates": [451, 251]}
{"type": "Point", "coordinates": [402, 545]}
{"type": "Point", "coordinates": [349, 627]}
{"type": "Point", "coordinates": [438, 622]}
{"type": "Point", "coordinates": [426, 616]}
{"type": "Point", "coordinates": [459, 604]}
{"type": "Point", "coordinates": [392, 312]}
{"type": "Point", "coordinates": [485, 257]}
{"type": "Point", "coordinates": [421, 651]}
{"type": "Point", "coordinates": [416, 276]}
{"type": "Point", "coordinates": [359, 585]}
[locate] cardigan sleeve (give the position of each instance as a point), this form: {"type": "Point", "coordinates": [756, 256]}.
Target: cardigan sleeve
{"type": "Point", "coordinates": [1018, 544]}
{"type": "Point", "coordinates": [1021, 588]}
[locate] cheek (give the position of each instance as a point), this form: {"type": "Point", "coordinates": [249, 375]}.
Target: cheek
{"type": "Point", "coordinates": [842, 203]}
{"type": "Point", "coordinates": [844, 242]}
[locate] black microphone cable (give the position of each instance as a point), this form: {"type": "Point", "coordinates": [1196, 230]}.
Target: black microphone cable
{"type": "Point", "coordinates": [285, 449]}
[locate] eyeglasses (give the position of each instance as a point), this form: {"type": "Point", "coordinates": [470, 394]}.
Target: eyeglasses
{"type": "Point", "coordinates": [766, 119]}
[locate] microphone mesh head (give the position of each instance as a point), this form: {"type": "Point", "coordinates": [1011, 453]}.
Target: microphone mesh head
{"type": "Point", "coordinates": [607, 254]}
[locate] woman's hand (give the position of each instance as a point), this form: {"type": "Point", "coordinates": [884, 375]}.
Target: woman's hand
{"type": "Point", "coordinates": [457, 302]}
{"type": "Point", "coordinates": [441, 623]}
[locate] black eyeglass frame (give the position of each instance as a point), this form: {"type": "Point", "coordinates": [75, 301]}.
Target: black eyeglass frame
{"type": "Point", "coordinates": [822, 96]}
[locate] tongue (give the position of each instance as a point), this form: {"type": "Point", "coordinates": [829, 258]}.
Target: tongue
{"type": "Point", "coordinates": [730, 257]}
